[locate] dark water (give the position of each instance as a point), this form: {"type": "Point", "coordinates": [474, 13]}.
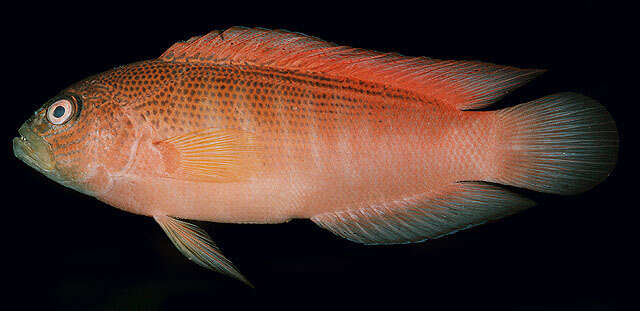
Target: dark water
{"type": "Point", "coordinates": [69, 251]}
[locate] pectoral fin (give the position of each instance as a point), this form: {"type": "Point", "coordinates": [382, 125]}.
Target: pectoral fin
{"type": "Point", "coordinates": [210, 155]}
{"type": "Point", "coordinates": [196, 245]}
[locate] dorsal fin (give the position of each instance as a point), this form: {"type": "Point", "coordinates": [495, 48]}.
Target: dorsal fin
{"type": "Point", "coordinates": [462, 84]}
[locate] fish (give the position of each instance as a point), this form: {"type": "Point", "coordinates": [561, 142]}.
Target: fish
{"type": "Point", "coordinates": [251, 125]}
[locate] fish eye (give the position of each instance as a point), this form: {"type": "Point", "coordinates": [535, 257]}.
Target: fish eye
{"type": "Point", "coordinates": [60, 111]}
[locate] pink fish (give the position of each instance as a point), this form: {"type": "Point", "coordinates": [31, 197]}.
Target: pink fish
{"type": "Point", "coordinates": [261, 126]}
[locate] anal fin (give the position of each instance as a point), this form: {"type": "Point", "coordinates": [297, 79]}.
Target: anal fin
{"type": "Point", "coordinates": [458, 207]}
{"type": "Point", "coordinates": [197, 245]}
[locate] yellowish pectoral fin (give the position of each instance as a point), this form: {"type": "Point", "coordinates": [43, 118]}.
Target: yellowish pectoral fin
{"type": "Point", "coordinates": [196, 245]}
{"type": "Point", "coordinates": [211, 155]}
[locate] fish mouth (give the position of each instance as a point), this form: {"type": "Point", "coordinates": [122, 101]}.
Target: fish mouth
{"type": "Point", "coordinates": [34, 151]}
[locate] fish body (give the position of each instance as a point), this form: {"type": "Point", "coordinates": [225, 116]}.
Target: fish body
{"type": "Point", "coordinates": [314, 137]}
{"type": "Point", "coordinates": [259, 126]}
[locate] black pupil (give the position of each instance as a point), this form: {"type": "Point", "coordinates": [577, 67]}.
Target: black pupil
{"type": "Point", "coordinates": [58, 112]}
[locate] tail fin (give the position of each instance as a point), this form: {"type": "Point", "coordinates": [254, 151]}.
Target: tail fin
{"type": "Point", "coordinates": [564, 143]}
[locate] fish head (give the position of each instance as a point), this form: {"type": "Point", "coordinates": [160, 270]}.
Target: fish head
{"type": "Point", "coordinates": [78, 138]}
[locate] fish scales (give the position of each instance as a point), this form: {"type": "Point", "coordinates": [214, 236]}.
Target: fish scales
{"type": "Point", "coordinates": [301, 120]}
{"type": "Point", "coordinates": [262, 126]}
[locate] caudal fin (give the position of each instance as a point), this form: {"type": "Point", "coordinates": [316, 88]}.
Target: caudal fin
{"type": "Point", "coordinates": [564, 143]}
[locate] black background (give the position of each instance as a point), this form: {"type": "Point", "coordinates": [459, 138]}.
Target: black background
{"type": "Point", "coordinates": [69, 251]}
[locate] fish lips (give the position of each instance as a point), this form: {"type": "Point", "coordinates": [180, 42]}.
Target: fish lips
{"type": "Point", "coordinates": [34, 151]}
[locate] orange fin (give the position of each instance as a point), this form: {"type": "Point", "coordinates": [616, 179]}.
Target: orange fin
{"type": "Point", "coordinates": [461, 84]}
{"type": "Point", "coordinates": [196, 245]}
{"type": "Point", "coordinates": [460, 206]}
{"type": "Point", "coordinates": [564, 143]}
{"type": "Point", "coordinates": [210, 155]}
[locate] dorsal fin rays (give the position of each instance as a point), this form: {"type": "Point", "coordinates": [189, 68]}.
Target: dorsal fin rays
{"type": "Point", "coordinates": [461, 84]}
{"type": "Point", "coordinates": [195, 244]}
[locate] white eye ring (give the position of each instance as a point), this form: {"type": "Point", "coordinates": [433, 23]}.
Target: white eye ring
{"type": "Point", "coordinates": [60, 111]}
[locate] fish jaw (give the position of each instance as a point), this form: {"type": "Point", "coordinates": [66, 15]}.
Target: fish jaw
{"type": "Point", "coordinates": [34, 151]}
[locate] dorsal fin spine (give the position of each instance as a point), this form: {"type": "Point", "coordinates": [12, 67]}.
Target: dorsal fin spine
{"type": "Point", "coordinates": [460, 84]}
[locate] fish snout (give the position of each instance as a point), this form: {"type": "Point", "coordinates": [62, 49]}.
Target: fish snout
{"type": "Point", "coordinates": [33, 150]}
